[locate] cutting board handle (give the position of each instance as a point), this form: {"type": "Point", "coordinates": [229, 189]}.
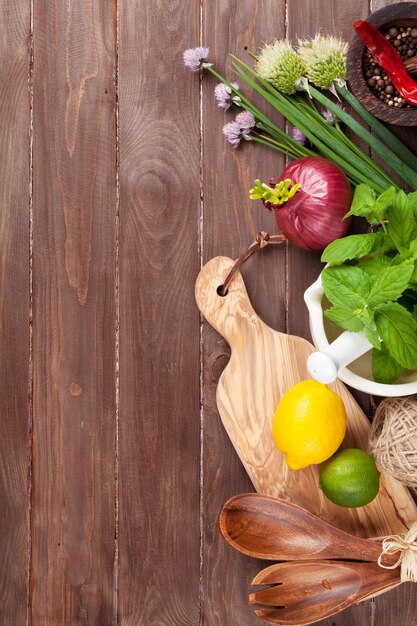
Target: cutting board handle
{"type": "Point", "coordinates": [222, 312]}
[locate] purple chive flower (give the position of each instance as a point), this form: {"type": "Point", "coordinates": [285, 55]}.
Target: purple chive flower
{"type": "Point", "coordinates": [195, 58]}
{"type": "Point", "coordinates": [298, 136]}
{"type": "Point", "coordinates": [239, 129]}
{"type": "Point", "coordinates": [232, 133]}
{"type": "Point", "coordinates": [225, 96]}
{"type": "Point", "coordinates": [328, 116]}
{"type": "Point", "coordinates": [245, 120]}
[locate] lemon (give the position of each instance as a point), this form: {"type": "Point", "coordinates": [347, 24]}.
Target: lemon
{"type": "Point", "coordinates": [309, 424]}
{"type": "Point", "coordinates": [350, 478]}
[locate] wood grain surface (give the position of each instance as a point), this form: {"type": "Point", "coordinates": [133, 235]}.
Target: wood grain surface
{"type": "Point", "coordinates": [14, 308]}
{"type": "Point", "coordinates": [230, 224]}
{"type": "Point", "coordinates": [110, 506]}
{"type": "Point", "coordinates": [74, 214]}
{"type": "Point", "coordinates": [159, 460]}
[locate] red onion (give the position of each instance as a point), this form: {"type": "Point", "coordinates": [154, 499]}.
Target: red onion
{"type": "Point", "coordinates": [313, 217]}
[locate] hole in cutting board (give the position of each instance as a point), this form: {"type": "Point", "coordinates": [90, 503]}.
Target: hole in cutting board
{"type": "Point", "coordinates": [219, 291]}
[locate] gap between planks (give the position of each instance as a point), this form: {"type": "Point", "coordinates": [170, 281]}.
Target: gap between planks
{"type": "Point", "coordinates": [30, 389]}
{"type": "Point", "coordinates": [200, 252]}
{"type": "Point", "coordinates": [117, 327]}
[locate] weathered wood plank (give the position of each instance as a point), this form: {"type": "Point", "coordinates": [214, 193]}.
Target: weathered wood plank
{"type": "Point", "coordinates": [14, 307]}
{"type": "Point", "coordinates": [329, 18]}
{"type": "Point", "coordinates": [400, 605]}
{"type": "Point", "coordinates": [74, 208]}
{"type": "Point", "coordinates": [159, 322]}
{"type": "Point", "coordinates": [231, 222]}
{"type": "Point", "coordinates": [306, 19]}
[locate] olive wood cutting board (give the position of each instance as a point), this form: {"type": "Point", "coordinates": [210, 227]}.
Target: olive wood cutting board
{"type": "Point", "coordinates": [264, 364]}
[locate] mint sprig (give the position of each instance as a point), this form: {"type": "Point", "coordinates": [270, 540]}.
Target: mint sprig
{"type": "Point", "coordinates": [398, 329]}
{"type": "Point", "coordinates": [385, 368]}
{"type": "Point", "coordinates": [371, 280]}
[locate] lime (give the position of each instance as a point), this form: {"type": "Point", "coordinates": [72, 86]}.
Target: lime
{"type": "Point", "coordinates": [350, 478]}
{"type": "Point", "coordinates": [309, 424]}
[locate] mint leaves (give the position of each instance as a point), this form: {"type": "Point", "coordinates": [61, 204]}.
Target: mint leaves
{"type": "Point", "coordinates": [366, 204]}
{"type": "Point", "coordinates": [352, 247]}
{"type": "Point", "coordinates": [371, 281]}
{"type": "Point", "coordinates": [385, 369]}
{"type": "Point", "coordinates": [346, 286]}
{"type": "Point", "coordinates": [398, 329]}
{"type": "Point", "coordinates": [389, 284]}
{"type": "Point", "coordinates": [402, 225]}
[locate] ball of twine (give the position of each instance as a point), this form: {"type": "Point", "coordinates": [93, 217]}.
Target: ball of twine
{"type": "Point", "coordinates": [393, 439]}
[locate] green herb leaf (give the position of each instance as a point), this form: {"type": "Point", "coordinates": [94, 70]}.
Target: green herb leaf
{"type": "Point", "coordinates": [374, 264]}
{"type": "Point", "coordinates": [363, 199]}
{"type": "Point", "coordinates": [389, 284]}
{"type": "Point", "coordinates": [412, 203]}
{"type": "Point", "coordinates": [398, 329]}
{"type": "Point", "coordinates": [409, 201]}
{"type": "Point", "coordinates": [413, 278]}
{"type": "Point", "coordinates": [387, 245]}
{"type": "Point", "coordinates": [385, 368]}
{"type": "Point", "coordinates": [345, 284]}
{"type": "Point", "coordinates": [366, 204]}
{"type": "Point", "coordinates": [401, 224]}
{"type": "Point", "coordinates": [351, 247]}
{"type": "Point", "coordinates": [344, 318]}
{"type": "Point", "coordinates": [370, 328]}
{"type": "Point", "coordinates": [412, 248]}
{"type": "Point", "coordinates": [379, 209]}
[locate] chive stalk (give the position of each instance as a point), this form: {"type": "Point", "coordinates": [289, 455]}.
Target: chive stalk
{"type": "Point", "coordinates": [320, 136]}
{"type": "Point", "coordinates": [378, 127]}
{"type": "Point", "coordinates": [405, 172]}
{"type": "Point", "coordinates": [402, 169]}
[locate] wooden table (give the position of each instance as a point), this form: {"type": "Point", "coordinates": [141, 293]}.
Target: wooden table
{"type": "Point", "coordinates": [116, 187]}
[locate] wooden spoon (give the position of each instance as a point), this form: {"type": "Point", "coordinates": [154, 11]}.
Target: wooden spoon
{"type": "Point", "coordinates": [269, 528]}
{"type": "Point", "coordinates": [307, 591]}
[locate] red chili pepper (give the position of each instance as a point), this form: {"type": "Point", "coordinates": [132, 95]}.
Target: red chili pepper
{"type": "Point", "coordinates": [389, 59]}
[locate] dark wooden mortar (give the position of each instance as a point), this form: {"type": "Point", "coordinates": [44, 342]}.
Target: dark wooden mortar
{"type": "Point", "coordinates": [401, 14]}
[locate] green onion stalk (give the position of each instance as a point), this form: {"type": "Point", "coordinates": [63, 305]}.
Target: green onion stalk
{"type": "Point", "coordinates": [329, 141]}
{"type": "Point", "coordinates": [266, 132]}
{"type": "Point", "coordinates": [281, 76]}
{"type": "Point", "coordinates": [324, 60]}
{"type": "Point", "coordinates": [280, 101]}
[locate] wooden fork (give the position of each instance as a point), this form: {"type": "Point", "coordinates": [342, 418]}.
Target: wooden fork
{"type": "Point", "coordinates": [303, 592]}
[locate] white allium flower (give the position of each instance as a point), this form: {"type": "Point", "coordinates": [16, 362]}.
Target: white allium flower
{"type": "Point", "coordinates": [324, 59]}
{"type": "Point", "coordinates": [195, 58]}
{"type": "Point", "coordinates": [281, 65]}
